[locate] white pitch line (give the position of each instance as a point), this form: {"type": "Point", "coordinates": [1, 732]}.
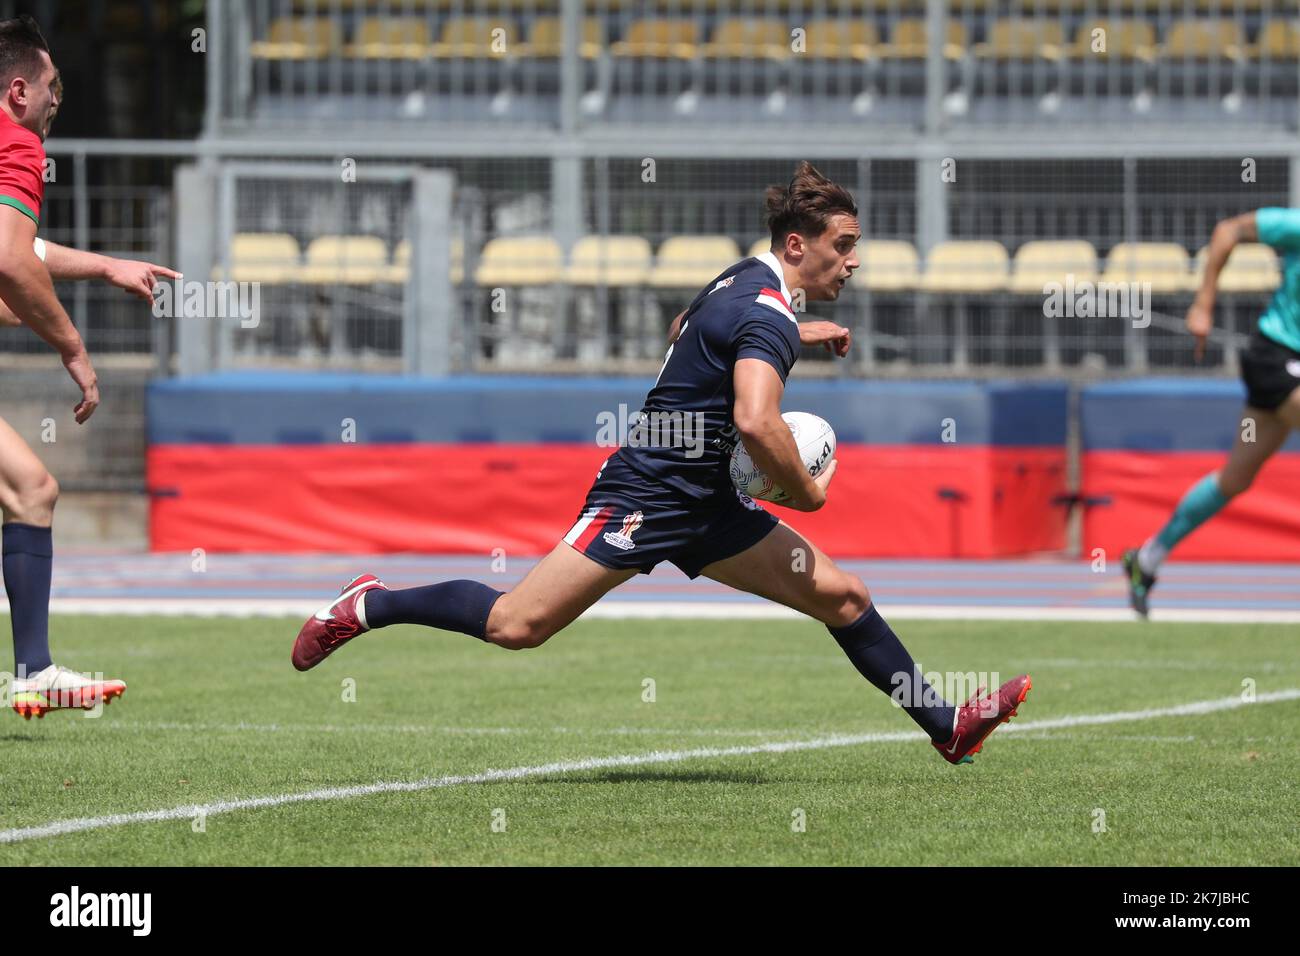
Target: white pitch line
{"type": "Point", "coordinates": [81, 824]}
{"type": "Point", "coordinates": [666, 608]}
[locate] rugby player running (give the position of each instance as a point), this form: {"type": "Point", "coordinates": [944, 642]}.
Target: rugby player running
{"type": "Point", "coordinates": [730, 353]}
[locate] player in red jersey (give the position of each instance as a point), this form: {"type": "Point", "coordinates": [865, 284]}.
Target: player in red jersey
{"type": "Point", "coordinates": [28, 101]}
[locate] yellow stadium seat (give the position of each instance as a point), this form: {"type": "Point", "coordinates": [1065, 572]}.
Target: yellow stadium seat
{"type": "Point", "coordinates": [610, 260]}
{"type": "Point", "coordinates": [978, 265]}
{"type": "Point", "coordinates": [908, 41]}
{"type": "Point", "coordinates": [269, 257]}
{"type": "Point", "coordinates": [354, 260]}
{"type": "Point", "coordinates": [390, 38]}
{"type": "Point", "coordinates": [298, 39]}
{"type": "Point", "coordinates": [1163, 264]}
{"type": "Point", "coordinates": [469, 38]}
{"type": "Point", "coordinates": [842, 39]}
{"type": "Point", "coordinates": [760, 246]}
{"type": "Point", "coordinates": [520, 260]}
{"type": "Point", "coordinates": [1252, 267]}
{"type": "Point", "coordinates": [663, 39]}
{"type": "Point", "coordinates": [1124, 39]}
{"type": "Point", "coordinates": [888, 265]}
{"type": "Point", "coordinates": [1038, 263]}
{"type": "Point", "coordinates": [687, 262]}
{"type": "Point", "coordinates": [546, 39]}
{"type": "Point", "coordinates": [1204, 40]}
{"type": "Point", "coordinates": [761, 38]}
{"type": "Point", "coordinates": [1016, 38]}
{"type": "Point", "coordinates": [1279, 40]}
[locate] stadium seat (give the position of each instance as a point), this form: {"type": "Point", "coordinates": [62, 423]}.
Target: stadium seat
{"type": "Point", "coordinates": [610, 261]}
{"type": "Point", "coordinates": [470, 38]}
{"type": "Point", "coordinates": [761, 38]}
{"type": "Point", "coordinates": [390, 38]}
{"type": "Point", "coordinates": [1163, 264]}
{"type": "Point", "coordinates": [977, 265]}
{"type": "Point", "coordinates": [546, 39]}
{"type": "Point", "coordinates": [1278, 40]}
{"type": "Point", "coordinates": [520, 260]}
{"type": "Point", "coordinates": [298, 39]}
{"type": "Point", "coordinates": [908, 41]}
{"type": "Point", "coordinates": [1204, 40]}
{"type": "Point", "coordinates": [888, 265]}
{"type": "Point", "coordinates": [842, 39]}
{"type": "Point", "coordinates": [1038, 263]}
{"type": "Point", "coordinates": [687, 262]}
{"type": "Point", "coordinates": [269, 257]}
{"type": "Point", "coordinates": [759, 247]}
{"type": "Point", "coordinates": [1125, 40]}
{"type": "Point", "coordinates": [354, 260]}
{"type": "Point", "coordinates": [1017, 38]}
{"type": "Point", "coordinates": [1252, 267]}
{"type": "Point", "coordinates": [659, 39]}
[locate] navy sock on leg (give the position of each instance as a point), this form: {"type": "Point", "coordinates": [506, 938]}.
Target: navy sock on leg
{"type": "Point", "coordinates": [28, 555]}
{"type": "Point", "coordinates": [450, 606]}
{"type": "Point", "coordinates": [882, 659]}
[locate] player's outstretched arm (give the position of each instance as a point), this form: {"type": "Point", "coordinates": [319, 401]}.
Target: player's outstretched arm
{"type": "Point", "coordinates": [130, 275]}
{"type": "Point", "coordinates": [1227, 235]}
{"type": "Point", "coordinates": [757, 416]}
{"type": "Point", "coordinates": [26, 287]}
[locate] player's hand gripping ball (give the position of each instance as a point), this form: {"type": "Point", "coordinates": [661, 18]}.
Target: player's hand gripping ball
{"type": "Point", "coordinates": [816, 441]}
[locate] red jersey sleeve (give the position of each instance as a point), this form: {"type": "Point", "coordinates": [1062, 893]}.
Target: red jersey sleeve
{"type": "Point", "coordinates": [22, 167]}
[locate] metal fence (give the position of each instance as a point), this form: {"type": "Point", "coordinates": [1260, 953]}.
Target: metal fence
{"type": "Point", "coordinates": [528, 64]}
{"type": "Point", "coordinates": [975, 296]}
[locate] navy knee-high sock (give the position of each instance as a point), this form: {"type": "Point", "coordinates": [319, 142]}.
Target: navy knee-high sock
{"type": "Point", "coordinates": [450, 606]}
{"type": "Point", "coordinates": [28, 554]}
{"type": "Point", "coordinates": [882, 659]}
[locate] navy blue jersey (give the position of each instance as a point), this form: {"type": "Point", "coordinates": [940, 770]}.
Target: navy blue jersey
{"type": "Point", "coordinates": [684, 434]}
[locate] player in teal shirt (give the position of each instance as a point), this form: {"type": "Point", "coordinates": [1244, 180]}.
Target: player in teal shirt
{"type": "Point", "coordinates": [1270, 368]}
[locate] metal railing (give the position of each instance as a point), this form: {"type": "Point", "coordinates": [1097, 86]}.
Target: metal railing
{"type": "Point", "coordinates": [919, 64]}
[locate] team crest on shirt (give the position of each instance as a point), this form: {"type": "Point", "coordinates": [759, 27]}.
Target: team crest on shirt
{"type": "Point", "coordinates": [622, 538]}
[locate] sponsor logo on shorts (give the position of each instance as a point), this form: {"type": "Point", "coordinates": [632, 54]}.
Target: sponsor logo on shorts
{"type": "Point", "coordinates": [1293, 367]}
{"type": "Point", "coordinates": [622, 538]}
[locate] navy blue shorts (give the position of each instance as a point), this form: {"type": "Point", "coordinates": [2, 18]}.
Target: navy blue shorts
{"type": "Point", "coordinates": [633, 522]}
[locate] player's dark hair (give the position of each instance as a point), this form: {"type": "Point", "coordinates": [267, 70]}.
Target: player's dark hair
{"type": "Point", "coordinates": [21, 43]}
{"type": "Point", "coordinates": [806, 205]}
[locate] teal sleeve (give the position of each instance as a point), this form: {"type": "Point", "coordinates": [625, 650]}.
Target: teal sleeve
{"type": "Point", "coordinates": [1279, 228]}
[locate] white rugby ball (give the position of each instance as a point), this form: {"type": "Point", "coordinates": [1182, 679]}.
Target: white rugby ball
{"type": "Point", "coordinates": [816, 441]}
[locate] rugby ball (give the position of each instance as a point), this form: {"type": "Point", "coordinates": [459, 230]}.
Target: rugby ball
{"type": "Point", "coordinates": [816, 441]}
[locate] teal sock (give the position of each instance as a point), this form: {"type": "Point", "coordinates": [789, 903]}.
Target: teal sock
{"type": "Point", "coordinates": [1201, 503]}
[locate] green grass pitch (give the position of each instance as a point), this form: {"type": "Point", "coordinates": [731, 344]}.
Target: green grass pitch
{"type": "Point", "coordinates": [215, 713]}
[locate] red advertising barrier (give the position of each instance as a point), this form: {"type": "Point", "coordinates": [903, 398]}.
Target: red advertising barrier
{"type": "Point", "coordinates": [937, 501]}
{"type": "Point", "coordinates": [1135, 492]}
